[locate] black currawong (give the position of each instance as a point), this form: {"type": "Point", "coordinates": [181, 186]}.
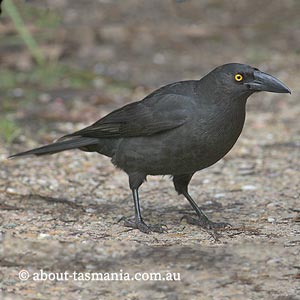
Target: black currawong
{"type": "Point", "coordinates": [177, 130]}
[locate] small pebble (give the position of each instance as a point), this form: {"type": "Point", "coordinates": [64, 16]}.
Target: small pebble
{"type": "Point", "coordinates": [246, 171]}
{"type": "Point", "coordinates": [11, 191]}
{"type": "Point", "coordinates": [10, 226]}
{"type": "Point", "coordinates": [219, 195]}
{"type": "Point", "coordinates": [42, 181]}
{"type": "Point", "coordinates": [90, 210]}
{"type": "Point", "coordinates": [248, 187]}
{"type": "Point", "coordinates": [271, 219]}
{"type": "Point", "coordinates": [208, 202]}
{"type": "Point", "coordinates": [43, 236]}
{"type": "Point", "coordinates": [44, 98]}
{"type": "Point", "coordinates": [274, 261]}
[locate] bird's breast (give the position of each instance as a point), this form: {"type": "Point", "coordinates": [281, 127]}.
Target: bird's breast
{"type": "Point", "coordinates": [216, 134]}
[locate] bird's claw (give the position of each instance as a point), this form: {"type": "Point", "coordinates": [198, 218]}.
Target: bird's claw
{"type": "Point", "coordinates": [145, 228]}
{"type": "Point", "coordinates": [206, 223]}
{"type": "Point", "coordinates": [219, 225]}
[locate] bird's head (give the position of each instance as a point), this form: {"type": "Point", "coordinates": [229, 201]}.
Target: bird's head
{"type": "Point", "coordinates": [242, 80]}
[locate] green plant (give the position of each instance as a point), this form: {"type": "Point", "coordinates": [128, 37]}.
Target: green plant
{"type": "Point", "coordinates": [24, 33]}
{"type": "Point", "coordinates": [8, 130]}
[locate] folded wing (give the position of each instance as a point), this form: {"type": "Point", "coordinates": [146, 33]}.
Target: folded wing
{"type": "Point", "coordinates": [141, 118]}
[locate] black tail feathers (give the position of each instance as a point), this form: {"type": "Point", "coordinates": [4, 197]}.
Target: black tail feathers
{"type": "Point", "coordinates": [58, 146]}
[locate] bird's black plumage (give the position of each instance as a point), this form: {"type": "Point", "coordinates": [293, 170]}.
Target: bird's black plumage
{"type": "Point", "coordinates": [177, 130]}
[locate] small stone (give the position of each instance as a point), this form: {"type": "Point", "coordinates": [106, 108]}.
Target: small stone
{"type": "Point", "coordinates": [271, 220]}
{"type": "Point", "coordinates": [274, 261]}
{"type": "Point", "coordinates": [42, 181]}
{"type": "Point", "coordinates": [43, 236]}
{"type": "Point", "coordinates": [248, 187]}
{"type": "Point", "coordinates": [208, 202]}
{"type": "Point", "coordinates": [11, 191]}
{"type": "Point", "coordinates": [10, 226]}
{"type": "Point", "coordinates": [246, 171]}
{"type": "Point", "coordinates": [219, 195]}
{"type": "Point", "coordinates": [90, 210]}
{"type": "Point", "coordinates": [44, 98]}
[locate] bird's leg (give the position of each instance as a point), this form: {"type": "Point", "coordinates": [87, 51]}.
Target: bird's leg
{"type": "Point", "coordinates": [181, 185]}
{"type": "Point", "coordinates": [138, 222]}
{"type": "Point", "coordinates": [202, 220]}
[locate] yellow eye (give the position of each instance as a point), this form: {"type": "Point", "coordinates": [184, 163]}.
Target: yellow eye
{"type": "Point", "coordinates": [238, 77]}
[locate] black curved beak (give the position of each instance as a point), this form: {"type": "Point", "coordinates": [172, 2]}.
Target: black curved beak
{"type": "Point", "coordinates": [265, 82]}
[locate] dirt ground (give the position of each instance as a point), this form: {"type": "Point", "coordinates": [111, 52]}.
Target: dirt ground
{"type": "Point", "coordinates": [61, 213]}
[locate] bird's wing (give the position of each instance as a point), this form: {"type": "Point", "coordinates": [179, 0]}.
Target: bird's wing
{"type": "Point", "coordinates": [147, 117]}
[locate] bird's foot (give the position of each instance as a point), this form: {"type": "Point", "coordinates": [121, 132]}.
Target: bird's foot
{"type": "Point", "coordinates": [143, 227]}
{"type": "Point", "coordinates": [206, 223]}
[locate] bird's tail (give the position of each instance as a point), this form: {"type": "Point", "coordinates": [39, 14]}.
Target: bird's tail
{"type": "Point", "coordinates": [58, 146]}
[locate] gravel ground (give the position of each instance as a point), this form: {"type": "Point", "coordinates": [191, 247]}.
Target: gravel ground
{"type": "Point", "coordinates": [62, 213]}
